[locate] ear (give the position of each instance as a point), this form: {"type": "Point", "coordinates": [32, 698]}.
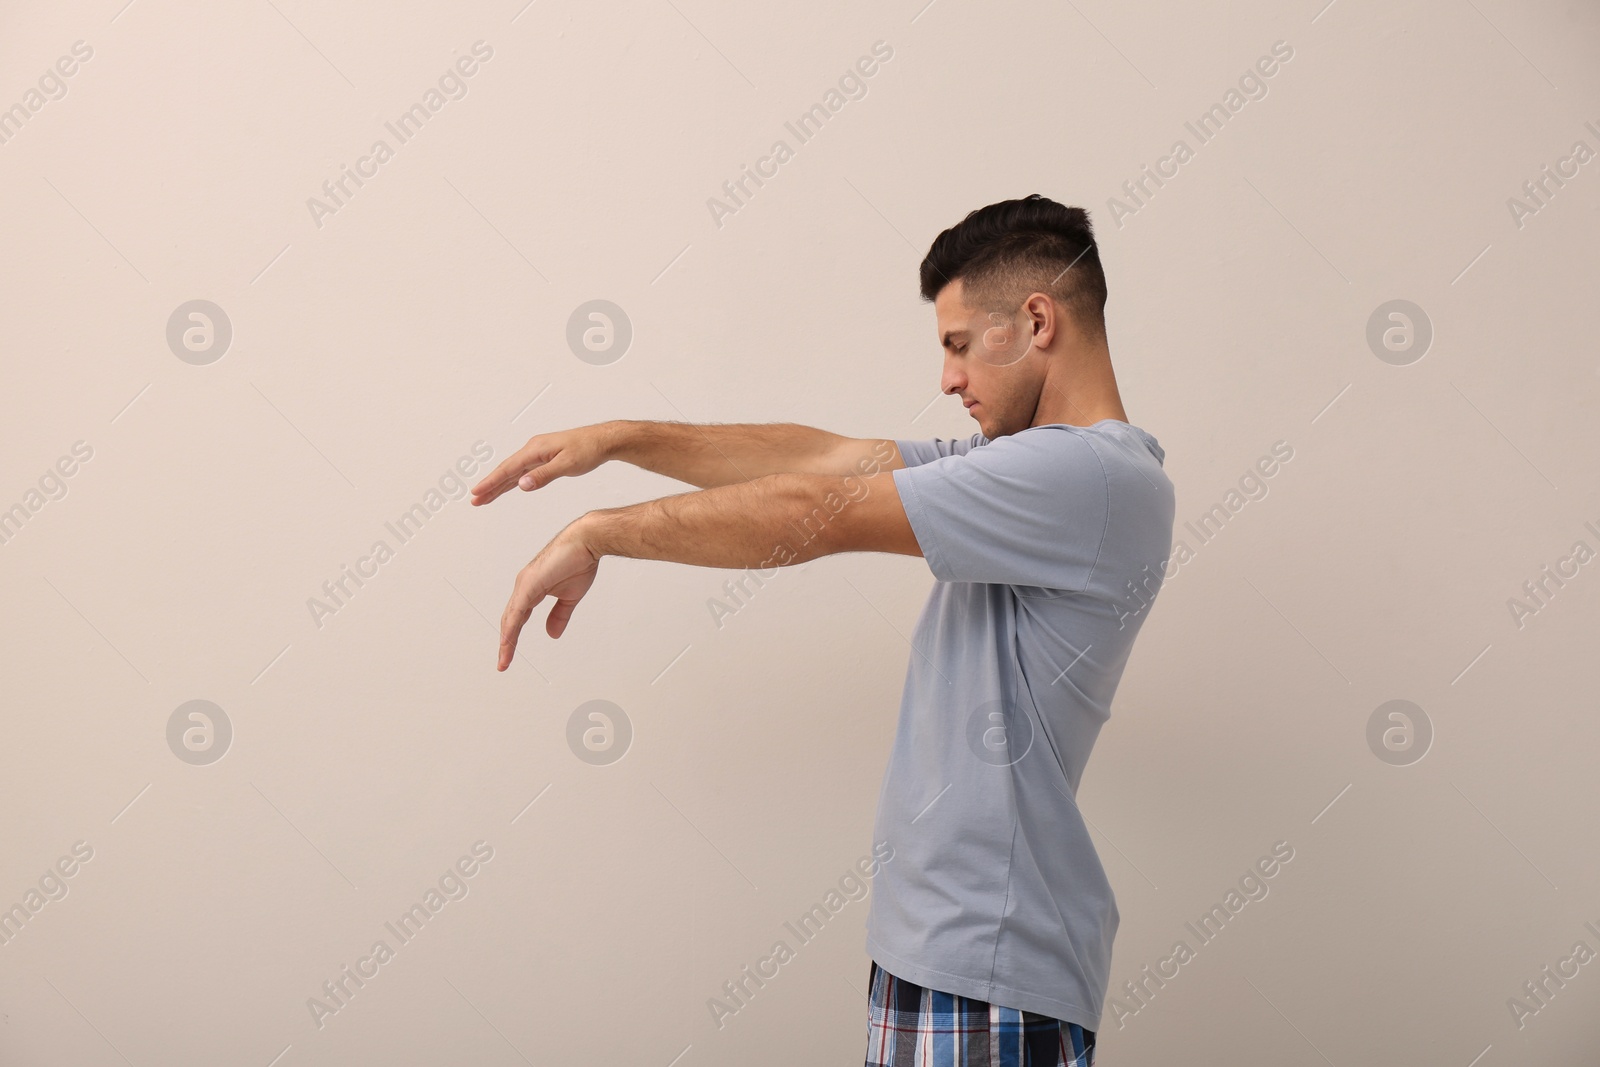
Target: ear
{"type": "Point", "coordinates": [1045, 319]}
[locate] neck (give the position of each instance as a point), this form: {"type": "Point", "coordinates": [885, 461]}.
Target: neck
{"type": "Point", "coordinates": [1080, 388]}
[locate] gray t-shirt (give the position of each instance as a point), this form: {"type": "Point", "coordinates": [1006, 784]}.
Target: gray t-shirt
{"type": "Point", "coordinates": [1048, 545]}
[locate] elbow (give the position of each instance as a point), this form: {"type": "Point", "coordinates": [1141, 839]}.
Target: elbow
{"type": "Point", "coordinates": [810, 507]}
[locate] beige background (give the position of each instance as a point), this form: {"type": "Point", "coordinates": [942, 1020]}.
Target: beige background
{"type": "Point", "coordinates": [430, 312]}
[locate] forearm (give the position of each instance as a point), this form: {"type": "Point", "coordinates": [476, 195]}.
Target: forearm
{"type": "Point", "coordinates": [719, 454]}
{"type": "Point", "coordinates": [775, 520]}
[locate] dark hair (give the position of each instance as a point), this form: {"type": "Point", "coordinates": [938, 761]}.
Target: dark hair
{"type": "Point", "coordinates": [1007, 250]}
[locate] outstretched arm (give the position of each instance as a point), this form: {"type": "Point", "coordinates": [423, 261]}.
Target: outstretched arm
{"type": "Point", "coordinates": [776, 520]}
{"type": "Point", "coordinates": [712, 454]}
{"type": "Point", "coordinates": [706, 455]}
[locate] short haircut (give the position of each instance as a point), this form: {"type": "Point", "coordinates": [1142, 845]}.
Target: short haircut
{"type": "Point", "coordinates": [1007, 250]}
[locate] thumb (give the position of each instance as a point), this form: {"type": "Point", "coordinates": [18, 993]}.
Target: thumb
{"type": "Point", "coordinates": [542, 475]}
{"type": "Point", "coordinates": [555, 624]}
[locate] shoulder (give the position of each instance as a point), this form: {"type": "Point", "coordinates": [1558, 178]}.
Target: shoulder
{"type": "Point", "coordinates": [1055, 448]}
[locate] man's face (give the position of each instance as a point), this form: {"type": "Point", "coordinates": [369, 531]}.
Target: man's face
{"type": "Point", "coordinates": [989, 362]}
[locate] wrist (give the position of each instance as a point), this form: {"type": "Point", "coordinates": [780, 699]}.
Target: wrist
{"type": "Point", "coordinates": [615, 436]}
{"type": "Point", "coordinates": [588, 530]}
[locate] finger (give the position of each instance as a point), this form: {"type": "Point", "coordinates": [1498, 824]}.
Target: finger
{"type": "Point", "coordinates": [509, 468]}
{"type": "Point", "coordinates": [536, 474]}
{"type": "Point", "coordinates": [508, 643]}
{"type": "Point", "coordinates": [525, 596]}
{"type": "Point", "coordinates": [502, 478]}
{"type": "Point", "coordinates": [508, 472]}
{"type": "Point", "coordinates": [510, 628]}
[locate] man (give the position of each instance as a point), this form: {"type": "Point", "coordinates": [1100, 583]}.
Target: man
{"type": "Point", "coordinates": [1048, 531]}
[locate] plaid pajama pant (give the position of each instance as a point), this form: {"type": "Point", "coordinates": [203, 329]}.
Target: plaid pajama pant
{"type": "Point", "coordinates": [912, 1026]}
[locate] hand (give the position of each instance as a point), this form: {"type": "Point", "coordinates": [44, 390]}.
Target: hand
{"type": "Point", "coordinates": [546, 457]}
{"type": "Point", "coordinates": [564, 569]}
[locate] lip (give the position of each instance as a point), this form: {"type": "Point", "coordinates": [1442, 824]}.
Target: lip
{"type": "Point", "coordinates": [970, 404]}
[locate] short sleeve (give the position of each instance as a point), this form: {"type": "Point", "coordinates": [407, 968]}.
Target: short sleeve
{"type": "Point", "coordinates": [916, 453]}
{"type": "Point", "coordinates": [1030, 508]}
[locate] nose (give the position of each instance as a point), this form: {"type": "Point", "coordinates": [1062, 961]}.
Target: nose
{"type": "Point", "coordinates": [954, 379]}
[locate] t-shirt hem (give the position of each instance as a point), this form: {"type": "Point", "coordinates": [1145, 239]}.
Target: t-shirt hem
{"type": "Point", "coordinates": [944, 982]}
